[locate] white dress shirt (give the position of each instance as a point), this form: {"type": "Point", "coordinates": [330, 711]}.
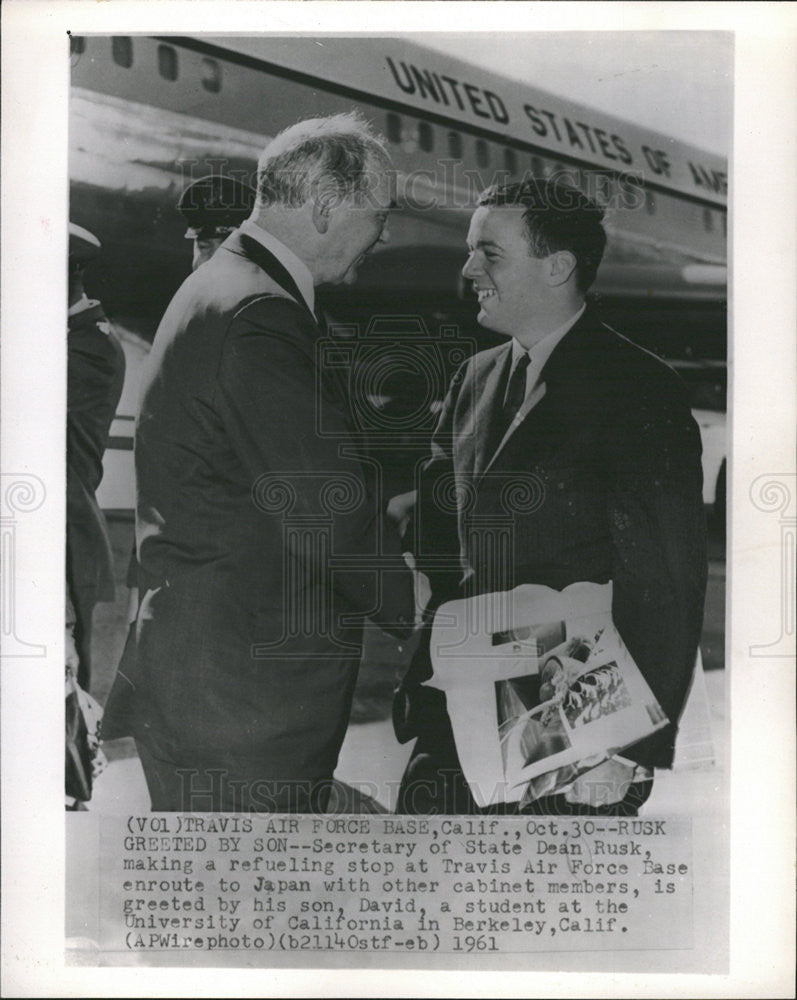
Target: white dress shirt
{"type": "Point", "coordinates": [297, 268]}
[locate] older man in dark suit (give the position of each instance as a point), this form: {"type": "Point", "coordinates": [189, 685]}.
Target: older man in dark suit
{"type": "Point", "coordinates": [598, 436]}
{"type": "Point", "coordinates": [257, 524]}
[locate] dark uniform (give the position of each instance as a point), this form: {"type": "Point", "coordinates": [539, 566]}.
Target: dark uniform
{"type": "Point", "coordinates": [95, 374]}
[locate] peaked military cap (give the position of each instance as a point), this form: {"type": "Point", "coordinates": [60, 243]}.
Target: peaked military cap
{"type": "Point", "coordinates": [215, 205]}
{"type": "Point", "coordinates": [83, 245]}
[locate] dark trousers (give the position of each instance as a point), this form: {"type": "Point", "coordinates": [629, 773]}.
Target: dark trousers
{"type": "Point", "coordinates": [433, 784]}
{"type": "Point", "coordinates": [182, 787]}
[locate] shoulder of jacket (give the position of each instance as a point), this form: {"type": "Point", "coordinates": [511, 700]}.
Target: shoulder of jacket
{"type": "Point", "coordinates": [481, 360]}
{"type": "Point", "coordinates": [238, 279]}
{"type": "Point", "coordinates": [97, 336]}
{"type": "Point", "coordinates": [275, 307]}
{"type": "Point", "coordinates": [489, 354]}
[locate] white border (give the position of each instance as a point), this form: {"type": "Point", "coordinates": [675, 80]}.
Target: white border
{"type": "Point", "coordinates": [34, 187]}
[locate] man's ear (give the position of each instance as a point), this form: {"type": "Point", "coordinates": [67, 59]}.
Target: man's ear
{"type": "Point", "coordinates": [561, 266]}
{"type": "Point", "coordinates": [325, 200]}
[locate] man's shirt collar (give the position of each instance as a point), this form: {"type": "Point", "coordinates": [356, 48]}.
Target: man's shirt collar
{"type": "Point", "coordinates": [542, 350]}
{"type": "Point", "coordinates": [83, 303]}
{"type": "Point", "coordinates": [297, 269]}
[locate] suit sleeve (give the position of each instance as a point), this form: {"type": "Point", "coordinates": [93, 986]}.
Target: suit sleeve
{"type": "Point", "coordinates": [657, 525]}
{"type": "Point", "coordinates": [435, 547]}
{"type": "Point", "coordinates": [286, 418]}
{"type": "Point", "coordinates": [95, 375]}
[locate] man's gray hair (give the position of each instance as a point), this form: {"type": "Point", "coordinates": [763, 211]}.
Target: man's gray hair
{"type": "Point", "coordinates": [341, 153]}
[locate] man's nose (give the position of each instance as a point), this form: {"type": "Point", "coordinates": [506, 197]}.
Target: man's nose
{"type": "Point", "coordinates": [471, 268]}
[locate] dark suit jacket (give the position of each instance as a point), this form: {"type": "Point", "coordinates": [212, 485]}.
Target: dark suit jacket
{"type": "Point", "coordinates": [95, 374]}
{"type": "Point", "coordinates": [601, 481]}
{"type": "Point", "coordinates": [257, 531]}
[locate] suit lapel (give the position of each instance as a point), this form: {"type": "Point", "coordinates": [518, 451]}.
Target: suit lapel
{"type": "Point", "coordinates": [527, 420]}
{"type": "Point", "coordinates": [276, 270]}
{"type": "Point", "coordinates": [567, 373]}
{"type": "Point", "coordinates": [488, 406]}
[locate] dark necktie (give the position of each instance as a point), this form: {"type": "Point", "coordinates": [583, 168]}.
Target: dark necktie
{"type": "Point", "coordinates": [515, 392]}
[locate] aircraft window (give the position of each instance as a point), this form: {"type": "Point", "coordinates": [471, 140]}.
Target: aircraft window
{"type": "Point", "coordinates": [393, 127]}
{"type": "Point", "coordinates": [482, 153]}
{"type": "Point", "coordinates": [122, 50]}
{"type": "Point", "coordinates": [167, 62]}
{"type": "Point", "coordinates": [510, 160]}
{"type": "Point", "coordinates": [77, 45]}
{"type": "Point", "coordinates": [708, 220]}
{"type": "Point", "coordinates": [211, 75]}
{"type": "Point", "coordinates": [425, 137]}
{"type": "Point", "coordinates": [455, 145]}
{"type": "Point", "coordinates": [650, 203]}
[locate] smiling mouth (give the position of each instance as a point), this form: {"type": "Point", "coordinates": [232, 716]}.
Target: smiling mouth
{"type": "Point", "coordinates": [484, 293]}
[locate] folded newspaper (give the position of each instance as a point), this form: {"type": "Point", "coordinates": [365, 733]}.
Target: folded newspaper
{"type": "Point", "coordinates": [539, 687]}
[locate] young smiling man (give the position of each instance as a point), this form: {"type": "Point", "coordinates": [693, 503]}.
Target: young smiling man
{"type": "Point", "coordinates": [603, 431]}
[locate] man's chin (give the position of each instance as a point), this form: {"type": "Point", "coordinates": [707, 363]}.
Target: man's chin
{"type": "Point", "coordinates": [483, 319]}
{"type": "Point", "coordinates": [490, 323]}
{"type": "Point", "coordinates": [350, 276]}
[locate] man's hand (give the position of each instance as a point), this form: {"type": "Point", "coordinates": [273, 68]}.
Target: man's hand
{"type": "Point", "coordinates": [132, 606]}
{"type": "Point", "coordinates": [399, 510]}
{"type": "Point", "coordinates": [602, 785]}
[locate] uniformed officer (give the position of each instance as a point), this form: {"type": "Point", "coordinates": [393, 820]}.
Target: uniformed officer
{"type": "Point", "coordinates": [213, 207]}
{"type": "Point", "coordinates": [95, 374]}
